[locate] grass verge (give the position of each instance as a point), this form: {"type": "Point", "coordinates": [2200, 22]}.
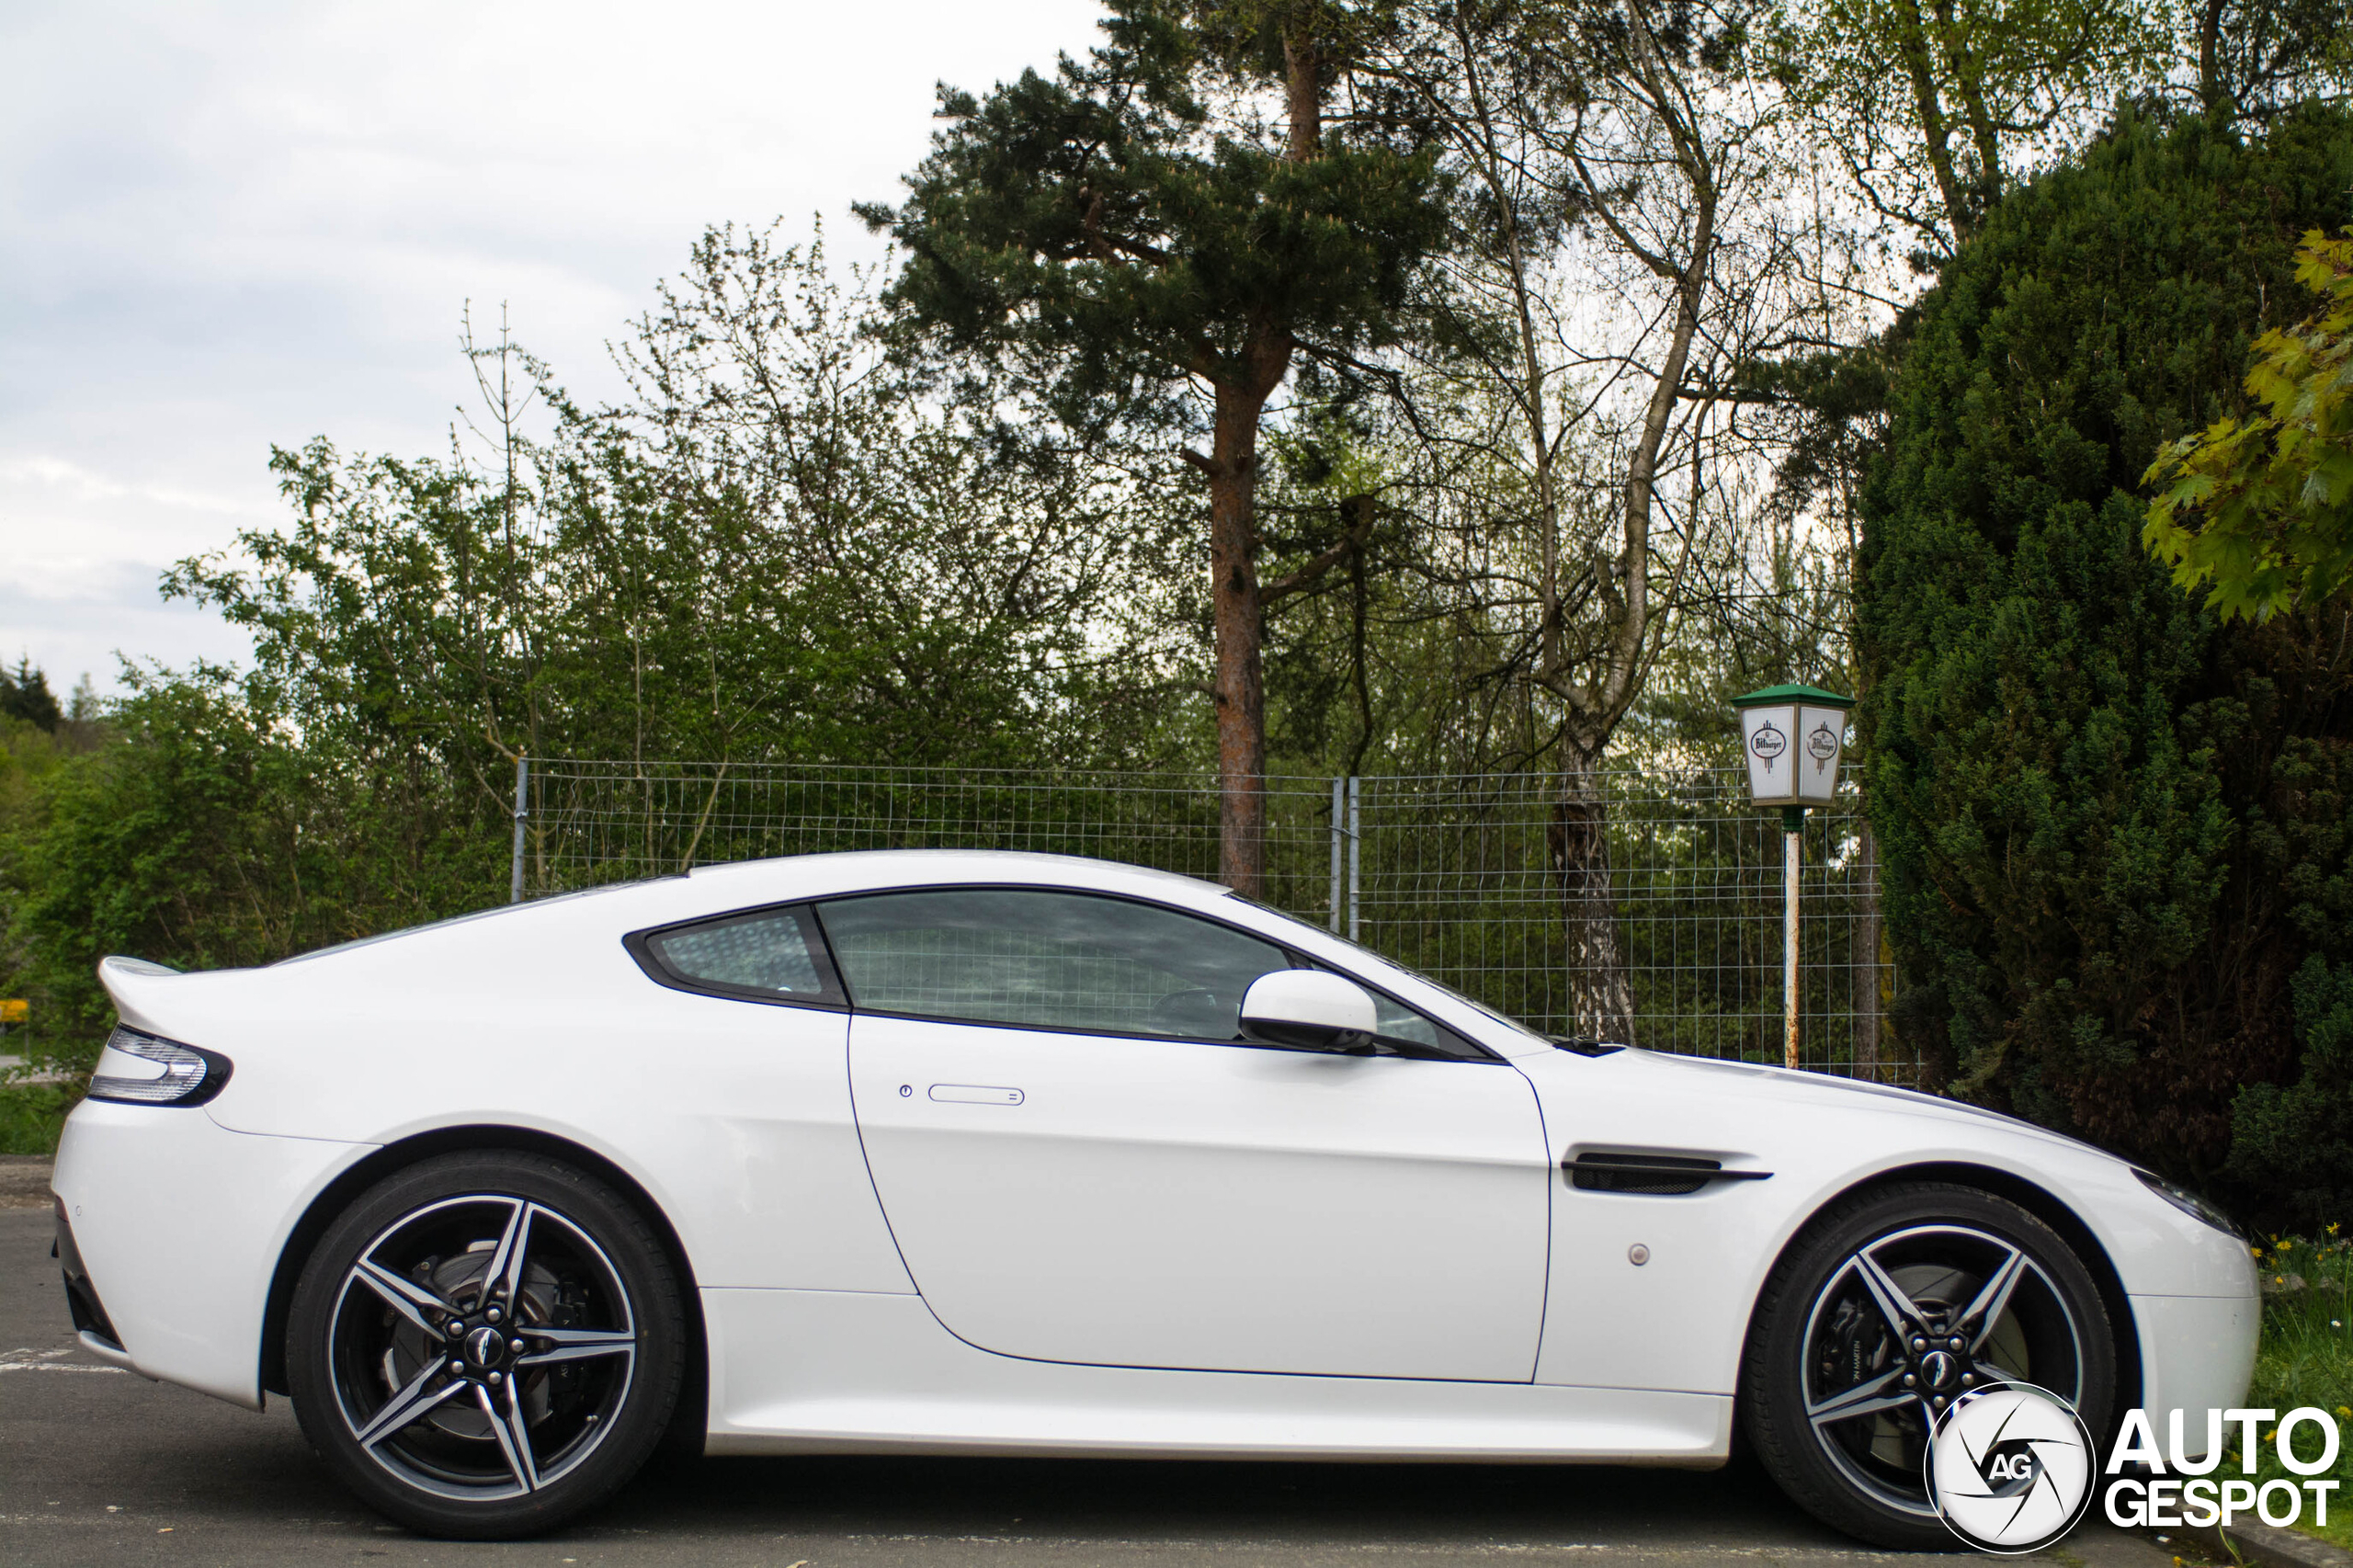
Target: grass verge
{"type": "Point", "coordinates": [2306, 1358]}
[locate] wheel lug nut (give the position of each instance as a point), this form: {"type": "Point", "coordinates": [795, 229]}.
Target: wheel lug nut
{"type": "Point", "coordinates": [492, 1315]}
{"type": "Point", "coordinates": [495, 1378]}
{"type": "Point", "coordinates": [516, 1345]}
{"type": "Point", "coordinates": [1967, 1378]}
{"type": "Point", "coordinates": [1939, 1402]}
{"type": "Point", "coordinates": [1954, 1343]}
{"type": "Point", "coordinates": [1910, 1381]}
{"type": "Point", "coordinates": [1918, 1342]}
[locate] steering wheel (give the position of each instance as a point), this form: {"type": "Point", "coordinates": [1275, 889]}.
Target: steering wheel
{"type": "Point", "coordinates": [1197, 1012]}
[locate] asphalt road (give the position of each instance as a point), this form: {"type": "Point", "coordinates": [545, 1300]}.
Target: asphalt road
{"type": "Point", "coordinates": [99, 1465]}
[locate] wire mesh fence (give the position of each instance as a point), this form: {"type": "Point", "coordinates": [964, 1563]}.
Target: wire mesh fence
{"type": "Point", "coordinates": [1461, 878]}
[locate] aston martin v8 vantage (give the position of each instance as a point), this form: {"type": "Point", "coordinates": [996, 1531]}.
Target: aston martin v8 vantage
{"type": "Point", "coordinates": [966, 1153]}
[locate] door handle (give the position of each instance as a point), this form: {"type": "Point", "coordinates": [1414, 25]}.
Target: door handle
{"type": "Point", "coordinates": [974, 1093]}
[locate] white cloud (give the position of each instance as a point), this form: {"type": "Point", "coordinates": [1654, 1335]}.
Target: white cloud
{"type": "Point", "coordinates": [227, 225]}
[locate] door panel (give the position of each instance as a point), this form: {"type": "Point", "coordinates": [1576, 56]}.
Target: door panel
{"type": "Point", "coordinates": [1136, 1202]}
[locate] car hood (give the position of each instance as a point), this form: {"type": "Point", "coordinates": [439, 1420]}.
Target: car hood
{"type": "Point", "coordinates": [1825, 1093]}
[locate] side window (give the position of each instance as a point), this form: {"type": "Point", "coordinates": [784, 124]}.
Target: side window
{"type": "Point", "coordinates": [768, 953]}
{"type": "Point", "coordinates": [1401, 1022]}
{"type": "Point", "coordinates": [1046, 959]}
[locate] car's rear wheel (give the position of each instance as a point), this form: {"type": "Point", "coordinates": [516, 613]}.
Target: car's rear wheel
{"type": "Point", "coordinates": [485, 1344]}
{"type": "Point", "coordinates": [1890, 1304]}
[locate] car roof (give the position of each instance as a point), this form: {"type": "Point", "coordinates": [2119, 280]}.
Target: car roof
{"type": "Point", "coordinates": [841, 870]}
{"type": "Point", "coordinates": [573, 940]}
{"type": "Point", "coordinates": [788, 878]}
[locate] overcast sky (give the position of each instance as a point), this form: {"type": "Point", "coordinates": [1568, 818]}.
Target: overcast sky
{"type": "Point", "coordinates": [223, 225]}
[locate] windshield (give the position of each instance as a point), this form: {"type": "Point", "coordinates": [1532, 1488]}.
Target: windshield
{"type": "Point", "coordinates": [1375, 959]}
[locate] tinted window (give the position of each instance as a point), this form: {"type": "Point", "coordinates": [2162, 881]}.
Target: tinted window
{"type": "Point", "coordinates": [1401, 1022]}
{"type": "Point", "coordinates": [1055, 960]}
{"type": "Point", "coordinates": [770, 951]}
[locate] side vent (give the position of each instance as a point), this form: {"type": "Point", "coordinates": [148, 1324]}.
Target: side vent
{"type": "Point", "coordinates": [1660, 1175]}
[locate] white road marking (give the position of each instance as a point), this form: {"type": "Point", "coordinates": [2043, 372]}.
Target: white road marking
{"type": "Point", "coordinates": [27, 1360]}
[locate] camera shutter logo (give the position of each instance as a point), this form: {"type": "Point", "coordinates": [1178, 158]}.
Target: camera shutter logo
{"type": "Point", "coordinates": [2009, 1468]}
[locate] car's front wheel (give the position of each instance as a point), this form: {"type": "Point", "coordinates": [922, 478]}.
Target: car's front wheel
{"type": "Point", "coordinates": [1890, 1304]}
{"type": "Point", "coordinates": [485, 1344]}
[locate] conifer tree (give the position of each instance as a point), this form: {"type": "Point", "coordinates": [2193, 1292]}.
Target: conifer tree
{"type": "Point", "coordinates": [2114, 827]}
{"type": "Point", "coordinates": [1157, 237]}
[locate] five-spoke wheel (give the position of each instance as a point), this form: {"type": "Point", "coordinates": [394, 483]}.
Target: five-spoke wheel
{"type": "Point", "coordinates": [485, 1344]}
{"type": "Point", "coordinates": [1891, 1305]}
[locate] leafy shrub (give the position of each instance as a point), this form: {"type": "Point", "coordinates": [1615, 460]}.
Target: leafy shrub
{"type": "Point", "coordinates": [32, 1115]}
{"type": "Point", "coordinates": [2113, 829]}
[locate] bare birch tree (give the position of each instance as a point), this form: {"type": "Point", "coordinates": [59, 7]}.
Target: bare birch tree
{"type": "Point", "coordinates": [1599, 151]}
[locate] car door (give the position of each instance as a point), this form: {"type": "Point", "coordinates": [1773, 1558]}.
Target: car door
{"type": "Point", "coordinates": [1082, 1161]}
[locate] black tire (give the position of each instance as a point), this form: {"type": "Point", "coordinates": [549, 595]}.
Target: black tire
{"type": "Point", "coordinates": [411, 1300]}
{"type": "Point", "coordinates": [1820, 1334]}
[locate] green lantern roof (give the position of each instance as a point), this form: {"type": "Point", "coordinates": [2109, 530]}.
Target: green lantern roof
{"type": "Point", "coordinates": [1812, 695]}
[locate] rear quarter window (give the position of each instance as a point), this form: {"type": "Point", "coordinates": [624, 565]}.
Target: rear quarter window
{"type": "Point", "coordinates": [766, 954]}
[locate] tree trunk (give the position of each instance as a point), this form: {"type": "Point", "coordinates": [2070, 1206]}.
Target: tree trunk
{"type": "Point", "coordinates": [1601, 998]}
{"type": "Point", "coordinates": [1930, 108]}
{"type": "Point", "coordinates": [1239, 622]}
{"type": "Point", "coordinates": [1961, 60]}
{"type": "Point", "coordinates": [1237, 613]}
{"type": "Point", "coordinates": [2211, 91]}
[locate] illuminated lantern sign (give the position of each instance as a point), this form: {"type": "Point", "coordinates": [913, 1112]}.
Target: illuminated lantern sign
{"type": "Point", "coordinates": [1791, 737]}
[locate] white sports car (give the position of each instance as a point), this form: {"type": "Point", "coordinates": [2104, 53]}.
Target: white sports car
{"type": "Point", "coordinates": [993, 1154]}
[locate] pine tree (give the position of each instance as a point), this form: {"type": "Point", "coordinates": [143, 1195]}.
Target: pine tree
{"type": "Point", "coordinates": [1132, 238]}
{"type": "Point", "coordinates": [25, 695]}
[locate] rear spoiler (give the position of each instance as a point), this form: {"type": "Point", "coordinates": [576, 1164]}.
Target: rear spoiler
{"type": "Point", "coordinates": [135, 984]}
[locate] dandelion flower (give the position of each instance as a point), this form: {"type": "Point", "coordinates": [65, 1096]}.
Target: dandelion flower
{"type": "Point", "coordinates": [2345, 1410]}
{"type": "Point", "coordinates": [2288, 1245]}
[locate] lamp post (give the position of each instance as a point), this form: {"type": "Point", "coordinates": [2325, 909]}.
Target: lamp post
{"type": "Point", "coordinates": [1791, 736]}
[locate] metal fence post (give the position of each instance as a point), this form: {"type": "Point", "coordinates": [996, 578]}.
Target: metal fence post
{"type": "Point", "coordinates": [1792, 859]}
{"type": "Point", "coordinates": [522, 812]}
{"type": "Point", "coordinates": [1339, 829]}
{"type": "Point", "coordinates": [1356, 853]}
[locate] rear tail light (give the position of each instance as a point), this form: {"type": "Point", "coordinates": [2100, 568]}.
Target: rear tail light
{"type": "Point", "coordinates": [139, 1069]}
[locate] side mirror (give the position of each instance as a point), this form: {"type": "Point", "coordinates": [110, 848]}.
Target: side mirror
{"type": "Point", "coordinates": [1307, 1010]}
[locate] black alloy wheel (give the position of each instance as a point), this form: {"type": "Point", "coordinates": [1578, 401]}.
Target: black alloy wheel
{"type": "Point", "coordinates": [1888, 1306]}
{"type": "Point", "coordinates": [485, 1345]}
